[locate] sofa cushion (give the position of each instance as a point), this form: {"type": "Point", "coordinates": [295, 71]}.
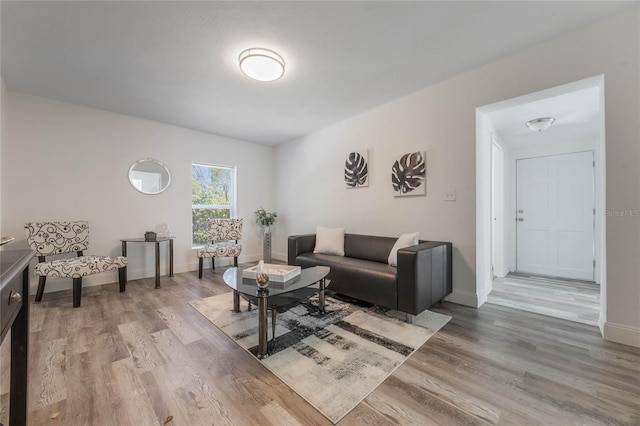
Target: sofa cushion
{"type": "Point", "coordinates": [368, 247]}
{"type": "Point", "coordinates": [405, 240]}
{"type": "Point", "coordinates": [374, 282]}
{"type": "Point", "coordinates": [78, 267]}
{"type": "Point", "coordinates": [329, 241]}
{"type": "Point", "coordinates": [222, 249]}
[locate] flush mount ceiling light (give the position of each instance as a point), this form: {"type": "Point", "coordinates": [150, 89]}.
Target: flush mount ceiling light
{"type": "Point", "coordinates": [540, 124]}
{"type": "Point", "coordinates": [261, 64]}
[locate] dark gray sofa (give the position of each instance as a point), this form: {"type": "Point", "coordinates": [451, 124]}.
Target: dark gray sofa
{"type": "Point", "coordinates": [422, 278]}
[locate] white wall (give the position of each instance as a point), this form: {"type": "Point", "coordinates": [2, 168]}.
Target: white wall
{"type": "Point", "coordinates": [311, 189]}
{"type": "Point", "coordinates": [67, 162]}
{"type": "Point", "coordinates": [441, 120]}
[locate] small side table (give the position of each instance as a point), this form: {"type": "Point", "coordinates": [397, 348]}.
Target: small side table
{"type": "Point", "coordinates": [157, 243]}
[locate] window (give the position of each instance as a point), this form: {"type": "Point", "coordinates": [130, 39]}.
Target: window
{"type": "Point", "coordinates": [213, 195]}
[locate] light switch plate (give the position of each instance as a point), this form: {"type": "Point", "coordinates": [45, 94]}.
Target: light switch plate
{"type": "Point", "coordinates": [450, 195]}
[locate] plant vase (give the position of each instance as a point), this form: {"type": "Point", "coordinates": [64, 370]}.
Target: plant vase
{"type": "Point", "coordinates": [266, 245]}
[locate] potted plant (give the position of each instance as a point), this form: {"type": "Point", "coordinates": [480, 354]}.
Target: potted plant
{"type": "Point", "coordinates": [266, 219]}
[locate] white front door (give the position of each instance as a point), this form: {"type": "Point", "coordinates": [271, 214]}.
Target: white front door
{"type": "Point", "coordinates": [555, 215]}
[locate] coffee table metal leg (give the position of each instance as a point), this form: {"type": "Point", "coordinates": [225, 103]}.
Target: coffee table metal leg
{"type": "Point", "coordinates": [273, 324]}
{"type": "Point", "coordinates": [262, 325]}
{"type": "Point", "coordinates": [236, 301]}
{"type": "Point", "coordinates": [321, 296]}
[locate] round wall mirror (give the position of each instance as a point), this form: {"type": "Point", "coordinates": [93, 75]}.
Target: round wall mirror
{"type": "Point", "coordinates": [149, 176]}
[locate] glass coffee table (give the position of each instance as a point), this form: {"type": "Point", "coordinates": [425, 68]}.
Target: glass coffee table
{"type": "Point", "coordinates": [276, 297]}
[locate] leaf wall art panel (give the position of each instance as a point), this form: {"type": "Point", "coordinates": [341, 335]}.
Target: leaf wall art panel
{"type": "Point", "coordinates": [409, 174]}
{"type": "Point", "coordinates": [356, 169]}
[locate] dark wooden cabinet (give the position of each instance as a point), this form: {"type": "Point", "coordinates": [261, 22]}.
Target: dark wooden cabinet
{"type": "Point", "coordinates": [14, 316]}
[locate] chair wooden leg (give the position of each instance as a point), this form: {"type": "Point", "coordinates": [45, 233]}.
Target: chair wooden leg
{"type": "Point", "coordinates": [235, 262]}
{"type": "Point", "coordinates": [213, 263]}
{"type": "Point", "coordinates": [41, 282]}
{"type": "Point", "coordinates": [77, 291]}
{"type": "Point", "coordinates": [200, 262]}
{"type": "Point", "coordinates": [122, 277]}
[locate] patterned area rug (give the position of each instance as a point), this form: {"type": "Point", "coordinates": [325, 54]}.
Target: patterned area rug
{"type": "Point", "coordinates": [333, 360]}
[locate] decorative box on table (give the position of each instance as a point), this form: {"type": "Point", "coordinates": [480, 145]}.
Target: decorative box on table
{"type": "Point", "coordinates": [277, 273]}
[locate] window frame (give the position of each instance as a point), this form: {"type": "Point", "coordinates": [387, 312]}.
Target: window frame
{"type": "Point", "coordinates": [233, 205]}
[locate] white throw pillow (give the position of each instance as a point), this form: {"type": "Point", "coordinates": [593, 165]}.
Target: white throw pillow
{"type": "Point", "coordinates": [405, 240]}
{"type": "Point", "coordinates": [329, 241]}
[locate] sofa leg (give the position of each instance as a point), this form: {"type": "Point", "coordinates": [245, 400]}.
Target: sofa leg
{"type": "Point", "coordinates": [415, 319]}
{"type": "Point", "coordinates": [200, 261]}
{"type": "Point", "coordinates": [122, 278]}
{"type": "Point", "coordinates": [41, 282]}
{"type": "Point", "coordinates": [235, 262]}
{"type": "Point", "coordinates": [77, 291]}
{"type": "Point", "coordinates": [213, 263]}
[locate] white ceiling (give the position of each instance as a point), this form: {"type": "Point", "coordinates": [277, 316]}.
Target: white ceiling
{"type": "Point", "coordinates": [176, 62]}
{"type": "Point", "coordinates": [577, 117]}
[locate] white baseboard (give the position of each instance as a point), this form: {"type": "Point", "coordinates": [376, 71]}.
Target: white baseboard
{"type": "Point", "coordinates": [620, 333]}
{"type": "Point", "coordinates": [601, 321]}
{"type": "Point", "coordinates": [462, 297]}
{"type": "Point", "coordinates": [482, 298]}
{"type": "Point", "coordinates": [257, 257]}
{"type": "Point", "coordinates": [280, 256]}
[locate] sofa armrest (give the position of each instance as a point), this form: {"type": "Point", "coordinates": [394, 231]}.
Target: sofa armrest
{"type": "Point", "coordinates": [299, 244]}
{"type": "Point", "coordinates": [424, 275]}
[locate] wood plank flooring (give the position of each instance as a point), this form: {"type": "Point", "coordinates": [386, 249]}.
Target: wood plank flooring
{"type": "Point", "coordinates": [572, 300]}
{"type": "Point", "coordinates": [138, 357]}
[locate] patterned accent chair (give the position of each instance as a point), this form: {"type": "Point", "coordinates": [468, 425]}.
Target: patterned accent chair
{"type": "Point", "coordinates": [53, 238]}
{"type": "Point", "coordinates": [221, 231]}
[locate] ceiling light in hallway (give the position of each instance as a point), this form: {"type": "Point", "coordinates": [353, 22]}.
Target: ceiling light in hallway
{"type": "Point", "coordinates": [540, 124]}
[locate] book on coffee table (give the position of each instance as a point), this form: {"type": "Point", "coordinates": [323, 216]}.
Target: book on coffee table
{"type": "Point", "coordinates": [277, 273]}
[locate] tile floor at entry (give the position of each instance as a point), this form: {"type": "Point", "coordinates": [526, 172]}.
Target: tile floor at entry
{"type": "Point", "coordinates": [572, 300]}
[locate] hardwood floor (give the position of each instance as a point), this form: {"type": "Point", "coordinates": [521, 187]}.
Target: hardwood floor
{"type": "Point", "coordinates": [138, 357]}
{"type": "Point", "coordinates": [572, 300]}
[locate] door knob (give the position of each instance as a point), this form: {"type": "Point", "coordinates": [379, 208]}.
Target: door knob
{"type": "Point", "coordinates": [520, 219]}
{"type": "Point", "coordinates": [14, 297]}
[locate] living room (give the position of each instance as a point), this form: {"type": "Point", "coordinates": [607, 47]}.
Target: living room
{"type": "Point", "coordinates": [62, 160]}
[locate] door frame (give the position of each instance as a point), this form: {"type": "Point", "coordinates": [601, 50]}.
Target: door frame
{"type": "Point", "coordinates": [484, 127]}
{"type": "Point", "coordinates": [499, 246]}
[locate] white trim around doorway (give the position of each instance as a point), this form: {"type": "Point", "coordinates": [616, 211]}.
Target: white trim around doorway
{"type": "Point", "coordinates": [484, 131]}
